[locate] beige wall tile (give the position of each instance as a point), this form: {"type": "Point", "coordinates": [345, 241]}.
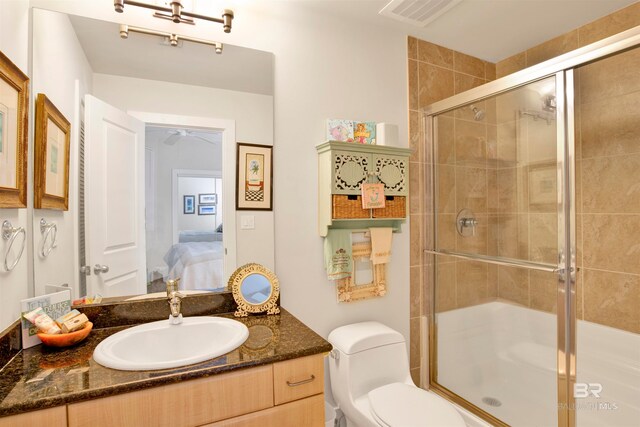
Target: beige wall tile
{"type": "Point", "coordinates": [611, 242]}
{"type": "Point", "coordinates": [612, 184]}
{"type": "Point", "coordinates": [612, 299]}
{"type": "Point", "coordinates": [434, 54]}
{"type": "Point", "coordinates": [610, 126]}
{"type": "Point", "coordinates": [446, 140]}
{"type": "Point", "coordinates": [511, 232]}
{"type": "Point", "coordinates": [492, 281]}
{"type": "Point", "coordinates": [492, 146]}
{"type": "Point", "coordinates": [477, 243]}
{"type": "Point", "coordinates": [415, 293]}
{"type": "Point", "coordinates": [507, 145]}
{"type": "Point", "coordinates": [416, 183]}
{"type": "Point", "coordinates": [493, 201]}
{"type": "Point", "coordinates": [471, 143]}
{"type": "Point", "coordinates": [511, 64]}
{"type": "Point", "coordinates": [542, 183]}
{"type": "Point", "coordinates": [513, 191]}
{"type": "Point", "coordinates": [513, 285]}
{"type": "Point", "coordinates": [489, 70]}
{"type": "Point", "coordinates": [435, 84]}
{"type": "Point", "coordinates": [446, 188]}
{"type": "Point", "coordinates": [609, 25]}
{"type": "Point", "coordinates": [414, 346]}
{"type": "Point", "coordinates": [415, 244]}
{"type": "Point", "coordinates": [464, 82]}
{"type": "Point", "coordinates": [543, 238]}
{"type": "Point", "coordinates": [610, 77]}
{"type": "Point", "coordinates": [446, 234]}
{"type": "Point", "coordinates": [468, 64]}
{"type": "Point", "coordinates": [415, 137]}
{"type": "Point", "coordinates": [446, 287]}
{"type": "Point", "coordinates": [471, 189]}
{"type": "Point", "coordinates": [414, 86]}
{"type": "Point", "coordinates": [544, 291]}
{"type": "Point", "coordinates": [471, 283]}
{"type": "Point", "coordinates": [412, 47]}
{"type": "Point", "coordinates": [552, 48]}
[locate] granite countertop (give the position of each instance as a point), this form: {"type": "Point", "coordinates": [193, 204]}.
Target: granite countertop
{"type": "Point", "coordinates": [42, 377]}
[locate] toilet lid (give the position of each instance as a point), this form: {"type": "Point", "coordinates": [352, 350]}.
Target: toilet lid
{"type": "Point", "coordinates": [403, 405]}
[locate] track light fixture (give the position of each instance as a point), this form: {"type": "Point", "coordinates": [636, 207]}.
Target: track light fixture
{"type": "Point", "coordinates": [176, 14]}
{"type": "Point", "coordinates": [173, 39]}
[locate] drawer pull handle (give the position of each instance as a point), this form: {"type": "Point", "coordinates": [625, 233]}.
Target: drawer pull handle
{"type": "Point", "coordinates": [290, 384]}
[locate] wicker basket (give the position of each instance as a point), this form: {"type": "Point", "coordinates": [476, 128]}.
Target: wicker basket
{"type": "Point", "coordinates": [394, 207]}
{"type": "Point", "coordinates": [348, 207]}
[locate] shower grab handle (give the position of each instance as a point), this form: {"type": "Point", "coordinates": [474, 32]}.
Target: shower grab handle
{"type": "Point", "coordinates": [508, 262]}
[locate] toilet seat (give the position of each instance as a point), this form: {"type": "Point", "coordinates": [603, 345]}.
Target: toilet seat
{"type": "Point", "coordinates": [403, 405]}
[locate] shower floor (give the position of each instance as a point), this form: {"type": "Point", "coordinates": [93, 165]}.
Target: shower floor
{"type": "Point", "coordinates": [506, 355]}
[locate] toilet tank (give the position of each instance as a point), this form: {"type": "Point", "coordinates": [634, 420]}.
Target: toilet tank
{"type": "Point", "coordinates": [370, 355]}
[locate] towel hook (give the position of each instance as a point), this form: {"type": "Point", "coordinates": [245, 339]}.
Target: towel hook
{"type": "Point", "coordinates": [49, 230]}
{"type": "Point", "coordinates": [10, 233]}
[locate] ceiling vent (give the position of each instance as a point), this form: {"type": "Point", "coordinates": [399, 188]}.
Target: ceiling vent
{"type": "Point", "coordinates": [417, 12]}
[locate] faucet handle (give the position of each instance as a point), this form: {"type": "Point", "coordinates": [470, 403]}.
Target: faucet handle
{"type": "Point", "coordinates": [172, 286]}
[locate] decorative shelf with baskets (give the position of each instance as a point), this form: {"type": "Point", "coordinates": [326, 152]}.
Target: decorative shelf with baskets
{"type": "Point", "coordinates": [343, 167]}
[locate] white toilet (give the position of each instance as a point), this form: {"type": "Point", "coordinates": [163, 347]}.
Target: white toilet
{"type": "Point", "coordinates": [371, 383]}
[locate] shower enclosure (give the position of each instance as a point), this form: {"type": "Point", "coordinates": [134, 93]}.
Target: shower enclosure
{"type": "Point", "coordinates": [533, 238]}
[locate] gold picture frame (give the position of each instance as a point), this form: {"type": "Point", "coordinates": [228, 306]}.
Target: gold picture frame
{"type": "Point", "coordinates": [349, 291]}
{"type": "Point", "coordinates": [254, 177]}
{"type": "Point", "coordinates": [51, 161]}
{"type": "Point", "coordinates": [249, 285]}
{"type": "Point", "coordinates": [14, 125]}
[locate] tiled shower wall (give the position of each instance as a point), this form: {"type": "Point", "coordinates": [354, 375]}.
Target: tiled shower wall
{"type": "Point", "coordinates": [607, 194]}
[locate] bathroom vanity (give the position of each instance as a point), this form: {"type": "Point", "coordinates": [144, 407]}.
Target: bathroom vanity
{"type": "Point", "coordinates": [276, 375]}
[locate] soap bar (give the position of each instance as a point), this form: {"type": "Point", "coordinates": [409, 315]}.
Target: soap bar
{"type": "Point", "coordinates": [74, 324]}
{"type": "Point", "coordinates": [70, 315]}
{"type": "Point", "coordinates": [42, 321]}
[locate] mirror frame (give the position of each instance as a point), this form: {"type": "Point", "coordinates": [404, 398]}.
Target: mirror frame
{"type": "Point", "coordinates": [245, 307]}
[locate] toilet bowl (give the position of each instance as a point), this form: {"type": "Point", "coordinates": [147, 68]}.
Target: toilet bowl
{"type": "Point", "coordinates": [371, 383]}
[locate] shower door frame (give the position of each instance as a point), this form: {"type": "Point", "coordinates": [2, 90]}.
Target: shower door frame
{"type": "Point", "coordinates": [562, 68]}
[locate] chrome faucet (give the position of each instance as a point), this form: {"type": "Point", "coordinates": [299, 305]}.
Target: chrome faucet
{"type": "Point", "coordinates": [175, 301]}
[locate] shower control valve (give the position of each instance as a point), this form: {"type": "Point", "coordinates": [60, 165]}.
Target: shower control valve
{"type": "Point", "coordinates": [466, 223]}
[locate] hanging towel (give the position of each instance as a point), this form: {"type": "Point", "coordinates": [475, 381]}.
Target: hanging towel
{"type": "Point", "coordinates": [337, 254]}
{"type": "Point", "coordinates": [380, 245]}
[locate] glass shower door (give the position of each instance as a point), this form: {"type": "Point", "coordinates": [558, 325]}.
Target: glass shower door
{"type": "Point", "coordinates": [498, 232]}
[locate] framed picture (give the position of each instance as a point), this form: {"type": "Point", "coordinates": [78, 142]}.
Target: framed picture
{"type": "Point", "coordinates": [542, 186]}
{"type": "Point", "coordinates": [206, 209]}
{"type": "Point", "coordinates": [188, 205]}
{"type": "Point", "coordinates": [207, 199]}
{"type": "Point", "coordinates": [254, 177]}
{"type": "Point", "coordinates": [14, 122]}
{"type": "Point", "coordinates": [51, 161]}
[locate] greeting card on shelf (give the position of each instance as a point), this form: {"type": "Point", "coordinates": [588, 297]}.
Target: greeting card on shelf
{"type": "Point", "coordinates": [372, 196]}
{"type": "Point", "coordinates": [340, 130]}
{"type": "Point", "coordinates": [364, 132]}
{"type": "Point", "coordinates": [55, 305]}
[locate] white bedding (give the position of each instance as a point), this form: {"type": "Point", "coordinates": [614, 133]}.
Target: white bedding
{"type": "Point", "coordinates": [197, 264]}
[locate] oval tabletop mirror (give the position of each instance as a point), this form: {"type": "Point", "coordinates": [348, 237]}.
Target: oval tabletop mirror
{"type": "Point", "coordinates": [255, 289]}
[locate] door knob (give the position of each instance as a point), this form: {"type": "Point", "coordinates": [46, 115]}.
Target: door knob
{"type": "Point", "coordinates": [97, 269]}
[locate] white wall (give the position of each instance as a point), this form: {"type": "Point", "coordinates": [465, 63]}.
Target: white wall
{"type": "Point", "coordinates": [58, 62]}
{"type": "Point", "coordinates": [14, 36]}
{"type": "Point", "coordinates": [194, 186]}
{"type": "Point", "coordinates": [325, 67]}
{"type": "Point", "coordinates": [252, 113]}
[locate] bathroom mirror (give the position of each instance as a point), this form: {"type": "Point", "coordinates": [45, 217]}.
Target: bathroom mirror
{"type": "Point", "coordinates": [152, 168]}
{"type": "Point", "coordinates": [255, 289]}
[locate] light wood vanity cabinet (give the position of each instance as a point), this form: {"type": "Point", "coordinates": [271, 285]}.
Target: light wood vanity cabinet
{"type": "Point", "coordinates": [288, 393]}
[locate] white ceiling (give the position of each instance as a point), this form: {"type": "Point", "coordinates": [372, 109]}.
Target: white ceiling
{"type": "Point", "coordinates": [159, 134]}
{"type": "Point", "coordinates": [489, 29]}
{"type": "Point", "coordinates": [145, 56]}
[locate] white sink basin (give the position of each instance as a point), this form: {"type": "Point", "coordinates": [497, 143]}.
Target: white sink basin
{"type": "Point", "coordinates": [161, 345]}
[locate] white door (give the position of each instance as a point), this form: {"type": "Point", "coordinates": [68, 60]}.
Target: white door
{"type": "Point", "coordinates": [114, 200]}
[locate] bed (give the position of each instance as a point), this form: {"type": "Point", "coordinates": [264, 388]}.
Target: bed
{"type": "Point", "coordinates": [197, 259]}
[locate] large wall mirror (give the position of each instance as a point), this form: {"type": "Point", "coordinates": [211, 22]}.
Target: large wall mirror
{"type": "Point", "coordinates": [152, 159]}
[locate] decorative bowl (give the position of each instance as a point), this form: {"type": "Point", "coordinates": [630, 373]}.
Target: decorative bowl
{"type": "Point", "coordinates": [66, 340]}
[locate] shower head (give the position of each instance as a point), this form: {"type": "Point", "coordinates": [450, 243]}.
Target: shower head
{"type": "Point", "coordinates": [478, 114]}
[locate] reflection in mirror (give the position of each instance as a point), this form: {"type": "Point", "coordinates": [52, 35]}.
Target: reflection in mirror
{"type": "Point", "coordinates": [256, 289]}
{"type": "Point", "coordinates": [152, 169]}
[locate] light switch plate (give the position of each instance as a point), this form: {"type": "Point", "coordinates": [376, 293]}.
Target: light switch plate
{"type": "Point", "coordinates": [247, 222]}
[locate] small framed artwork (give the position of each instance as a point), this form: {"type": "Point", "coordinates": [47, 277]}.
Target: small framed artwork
{"type": "Point", "coordinates": [207, 199]}
{"type": "Point", "coordinates": [206, 209]}
{"type": "Point", "coordinates": [542, 186]}
{"type": "Point", "coordinates": [51, 160]}
{"type": "Point", "coordinates": [188, 205]}
{"type": "Point", "coordinates": [14, 110]}
{"type": "Point", "coordinates": [254, 177]}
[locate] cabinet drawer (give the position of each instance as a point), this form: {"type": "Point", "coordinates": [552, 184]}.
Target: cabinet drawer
{"type": "Point", "coordinates": [307, 412]}
{"type": "Point", "coordinates": [52, 417]}
{"type": "Point", "coordinates": [298, 378]}
{"type": "Point", "coordinates": [394, 207]}
{"type": "Point", "coordinates": [185, 404]}
{"type": "Point", "coordinates": [348, 207]}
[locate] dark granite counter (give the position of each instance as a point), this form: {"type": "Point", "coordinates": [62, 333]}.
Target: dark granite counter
{"type": "Point", "coordinates": [42, 377]}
